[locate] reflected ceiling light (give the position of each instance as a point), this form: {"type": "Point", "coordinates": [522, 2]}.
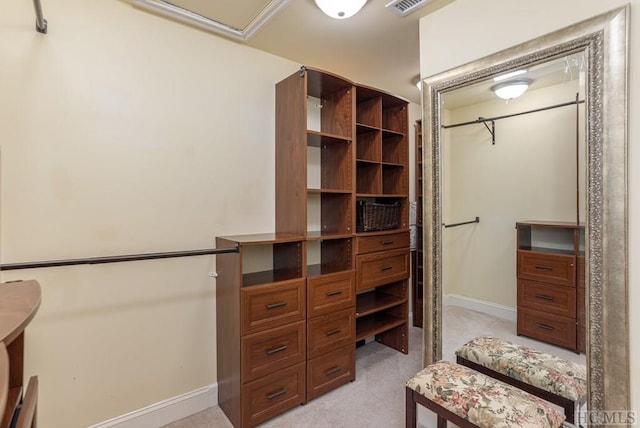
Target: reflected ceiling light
{"type": "Point", "coordinates": [340, 9]}
{"type": "Point", "coordinates": [509, 75]}
{"type": "Point", "coordinates": [511, 89]}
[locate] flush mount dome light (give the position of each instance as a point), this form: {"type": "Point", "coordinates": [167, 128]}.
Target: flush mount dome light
{"type": "Point", "coordinates": [511, 89]}
{"type": "Point", "coordinates": [340, 9]}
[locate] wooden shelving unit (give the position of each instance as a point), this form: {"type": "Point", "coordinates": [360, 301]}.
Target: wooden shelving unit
{"type": "Point", "coordinates": [315, 185]}
{"type": "Point", "coordinates": [382, 256]}
{"type": "Point", "coordinates": [261, 329]}
{"type": "Point", "coordinates": [550, 276]}
{"type": "Point", "coordinates": [286, 302]}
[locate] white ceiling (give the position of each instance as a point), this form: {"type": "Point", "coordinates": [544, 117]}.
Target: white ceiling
{"type": "Point", "coordinates": [375, 47]}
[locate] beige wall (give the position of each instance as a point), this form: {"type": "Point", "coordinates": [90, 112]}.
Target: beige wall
{"type": "Point", "coordinates": [122, 132]}
{"type": "Point", "coordinates": [467, 30]}
{"type": "Point", "coordinates": [529, 174]}
{"type": "Point", "coordinates": [126, 133]}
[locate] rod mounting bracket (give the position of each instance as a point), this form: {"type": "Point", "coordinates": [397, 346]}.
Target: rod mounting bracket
{"type": "Point", "coordinates": [42, 29]}
{"type": "Point", "coordinates": [491, 130]}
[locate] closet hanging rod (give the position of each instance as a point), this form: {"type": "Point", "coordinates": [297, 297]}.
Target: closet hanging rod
{"type": "Point", "coordinates": [477, 220]}
{"type": "Point", "coordinates": [506, 116]}
{"type": "Point", "coordinates": [41, 23]}
{"type": "Point", "coordinates": [117, 259]}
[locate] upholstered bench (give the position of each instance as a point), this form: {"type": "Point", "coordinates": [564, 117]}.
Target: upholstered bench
{"type": "Point", "coordinates": [470, 399]}
{"type": "Point", "coordinates": [554, 379]}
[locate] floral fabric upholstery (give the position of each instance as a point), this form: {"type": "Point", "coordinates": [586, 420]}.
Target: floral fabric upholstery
{"type": "Point", "coordinates": [482, 400]}
{"type": "Point", "coordinates": [545, 371]}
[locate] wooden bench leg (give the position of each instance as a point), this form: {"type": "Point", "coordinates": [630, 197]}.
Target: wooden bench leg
{"type": "Point", "coordinates": [411, 409]}
{"type": "Point", "coordinates": [442, 422]}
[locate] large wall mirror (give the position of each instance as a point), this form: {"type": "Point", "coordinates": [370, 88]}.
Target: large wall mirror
{"type": "Point", "coordinates": [588, 189]}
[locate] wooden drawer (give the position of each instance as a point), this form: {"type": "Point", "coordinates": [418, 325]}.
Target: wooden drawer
{"type": "Point", "coordinates": [547, 298]}
{"type": "Point", "coordinates": [547, 327]}
{"type": "Point", "coordinates": [545, 267]}
{"type": "Point", "coordinates": [370, 244]}
{"type": "Point", "coordinates": [328, 293]}
{"type": "Point", "coordinates": [269, 351]}
{"type": "Point", "coordinates": [271, 305]}
{"type": "Point", "coordinates": [330, 371]}
{"type": "Point", "coordinates": [381, 268]}
{"type": "Point", "coordinates": [329, 332]}
{"type": "Point", "coordinates": [273, 394]}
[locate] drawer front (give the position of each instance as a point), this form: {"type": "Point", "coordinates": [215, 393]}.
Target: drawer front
{"type": "Point", "coordinates": [329, 332]}
{"type": "Point", "coordinates": [547, 327]}
{"type": "Point", "coordinates": [330, 293]}
{"type": "Point", "coordinates": [330, 371]}
{"type": "Point", "coordinates": [370, 244]}
{"type": "Point", "coordinates": [381, 268]}
{"type": "Point", "coordinates": [554, 268]}
{"type": "Point", "coordinates": [271, 305]}
{"type": "Point", "coordinates": [272, 395]}
{"type": "Point", "coordinates": [268, 351]}
{"type": "Point", "coordinates": [547, 298]}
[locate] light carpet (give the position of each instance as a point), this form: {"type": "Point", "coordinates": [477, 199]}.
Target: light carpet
{"type": "Point", "coordinates": [376, 399]}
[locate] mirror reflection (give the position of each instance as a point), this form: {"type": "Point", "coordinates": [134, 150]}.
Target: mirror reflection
{"type": "Point", "coordinates": [513, 209]}
{"type": "Point", "coordinates": [533, 234]}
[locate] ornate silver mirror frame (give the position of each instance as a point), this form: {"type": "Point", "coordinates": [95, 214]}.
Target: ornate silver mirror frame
{"type": "Point", "coordinates": [604, 38]}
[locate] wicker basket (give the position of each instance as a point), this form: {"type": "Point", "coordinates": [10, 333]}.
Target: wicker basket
{"type": "Point", "coordinates": [374, 216]}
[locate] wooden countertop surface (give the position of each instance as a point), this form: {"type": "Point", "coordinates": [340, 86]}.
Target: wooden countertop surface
{"type": "Point", "coordinates": [19, 302]}
{"type": "Point", "coordinates": [4, 377]}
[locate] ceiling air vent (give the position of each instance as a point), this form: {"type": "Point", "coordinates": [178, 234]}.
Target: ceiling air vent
{"type": "Point", "coordinates": [405, 7]}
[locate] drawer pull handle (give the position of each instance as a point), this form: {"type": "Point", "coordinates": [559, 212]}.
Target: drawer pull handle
{"type": "Point", "coordinates": [276, 305]}
{"type": "Point", "coordinates": [544, 267]}
{"type": "Point", "coordinates": [276, 350]}
{"type": "Point", "coordinates": [334, 370]}
{"type": "Point", "coordinates": [334, 293]}
{"type": "Point", "coordinates": [334, 331]}
{"type": "Point", "coordinates": [388, 242]}
{"type": "Point", "coordinates": [276, 394]}
{"type": "Point", "coordinates": [386, 268]}
{"type": "Point", "coordinates": [544, 326]}
{"type": "Point", "coordinates": [544, 297]}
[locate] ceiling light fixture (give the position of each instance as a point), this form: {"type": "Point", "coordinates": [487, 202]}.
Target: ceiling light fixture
{"type": "Point", "coordinates": [509, 75]}
{"type": "Point", "coordinates": [511, 89]}
{"type": "Point", "coordinates": [340, 9]}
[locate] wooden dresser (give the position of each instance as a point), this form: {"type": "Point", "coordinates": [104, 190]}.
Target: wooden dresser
{"type": "Point", "coordinates": [19, 302]}
{"type": "Point", "coordinates": [550, 277]}
{"type": "Point", "coordinates": [261, 326]}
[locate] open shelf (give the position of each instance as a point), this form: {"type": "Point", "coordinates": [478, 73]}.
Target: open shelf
{"type": "Point", "coordinates": [368, 177]}
{"type": "Point", "coordinates": [376, 324]}
{"type": "Point", "coordinates": [394, 180]}
{"type": "Point", "coordinates": [329, 166]}
{"type": "Point", "coordinates": [368, 303]}
{"type": "Point", "coordinates": [329, 212]}
{"type": "Point", "coordinates": [368, 145]}
{"type": "Point", "coordinates": [329, 256]}
{"type": "Point", "coordinates": [318, 139]}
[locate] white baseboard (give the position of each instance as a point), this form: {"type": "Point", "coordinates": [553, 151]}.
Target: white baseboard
{"type": "Point", "coordinates": [489, 308]}
{"type": "Point", "coordinates": [166, 411]}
